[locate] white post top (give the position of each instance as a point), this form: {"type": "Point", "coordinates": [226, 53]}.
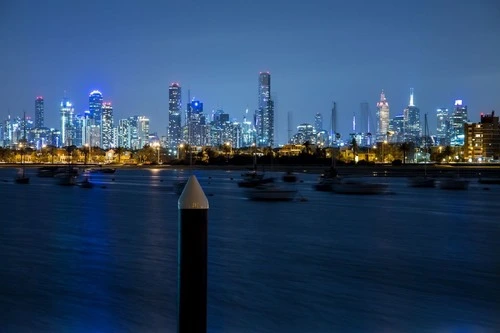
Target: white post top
{"type": "Point", "coordinates": [192, 196]}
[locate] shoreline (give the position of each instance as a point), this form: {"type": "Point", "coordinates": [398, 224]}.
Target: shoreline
{"type": "Point", "coordinates": [436, 170]}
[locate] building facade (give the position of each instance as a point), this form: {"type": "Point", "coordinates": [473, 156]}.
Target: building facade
{"type": "Point", "coordinates": [457, 122]}
{"type": "Point", "coordinates": [265, 113]}
{"type": "Point", "coordinates": [411, 129]}
{"type": "Point", "coordinates": [382, 118]}
{"type": "Point", "coordinates": [482, 140]}
{"type": "Point", "coordinates": [67, 113]}
{"type": "Point", "coordinates": [107, 126]}
{"type": "Point", "coordinates": [442, 126]}
{"type": "Point", "coordinates": [174, 116]}
{"type": "Point", "coordinates": [39, 112]}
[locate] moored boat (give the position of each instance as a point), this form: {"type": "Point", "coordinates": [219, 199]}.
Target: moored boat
{"type": "Point", "coordinates": [455, 183]}
{"type": "Point", "coordinates": [424, 181]}
{"type": "Point", "coordinates": [271, 192]}
{"type": "Point", "coordinates": [359, 187]}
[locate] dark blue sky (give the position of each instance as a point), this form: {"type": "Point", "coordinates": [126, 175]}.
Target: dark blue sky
{"type": "Point", "coordinates": [316, 51]}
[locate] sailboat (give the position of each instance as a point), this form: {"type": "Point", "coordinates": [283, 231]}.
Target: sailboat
{"type": "Point", "coordinates": [22, 178]}
{"type": "Point", "coordinates": [425, 180]}
{"type": "Point", "coordinates": [254, 178]}
{"type": "Point", "coordinates": [330, 177]}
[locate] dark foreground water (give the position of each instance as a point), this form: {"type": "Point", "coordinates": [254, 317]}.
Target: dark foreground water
{"type": "Point", "coordinates": [105, 259]}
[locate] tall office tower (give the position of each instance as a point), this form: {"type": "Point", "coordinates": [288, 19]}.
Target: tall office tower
{"type": "Point", "coordinates": [396, 126]}
{"type": "Point", "coordinates": [443, 125]}
{"type": "Point", "coordinates": [411, 114]}
{"type": "Point", "coordinates": [318, 122]}
{"type": "Point", "coordinates": [123, 134]}
{"type": "Point", "coordinates": [107, 126]}
{"type": "Point", "coordinates": [196, 124]}
{"type": "Point", "coordinates": [382, 118]}
{"type": "Point", "coordinates": [143, 131]}
{"type": "Point", "coordinates": [86, 128]}
{"type": "Point", "coordinates": [174, 116]}
{"type": "Point", "coordinates": [95, 106]}
{"type": "Point", "coordinates": [67, 119]}
{"type": "Point", "coordinates": [457, 121]}
{"type": "Point", "coordinates": [39, 112]}
{"type": "Point", "coordinates": [79, 130]}
{"type": "Point", "coordinates": [265, 112]}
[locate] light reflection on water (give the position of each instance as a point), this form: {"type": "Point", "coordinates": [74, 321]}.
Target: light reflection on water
{"type": "Point", "coordinates": [104, 259]}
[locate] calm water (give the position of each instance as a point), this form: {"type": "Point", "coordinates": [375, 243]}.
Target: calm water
{"type": "Point", "coordinates": [104, 259]}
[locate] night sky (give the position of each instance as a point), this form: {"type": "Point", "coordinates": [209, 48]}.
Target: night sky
{"type": "Point", "coordinates": [316, 51]}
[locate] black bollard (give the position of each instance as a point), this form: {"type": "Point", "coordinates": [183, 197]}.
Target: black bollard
{"type": "Point", "coordinates": [192, 259]}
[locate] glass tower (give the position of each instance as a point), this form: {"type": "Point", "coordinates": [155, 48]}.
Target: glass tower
{"type": "Point", "coordinates": [382, 118]}
{"type": "Point", "coordinates": [174, 115]}
{"type": "Point", "coordinates": [39, 112]}
{"type": "Point", "coordinates": [265, 113]}
{"type": "Point", "coordinates": [107, 126]}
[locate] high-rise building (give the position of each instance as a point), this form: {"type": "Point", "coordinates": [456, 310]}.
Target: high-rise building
{"type": "Point", "coordinates": [318, 122]}
{"type": "Point", "coordinates": [79, 130]}
{"type": "Point", "coordinates": [142, 131]}
{"type": "Point", "coordinates": [382, 118]}
{"type": "Point", "coordinates": [412, 127]}
{"type": "Point", "coordinates": [457, 121]}
{"type": "Point", "coordinates": [196, 125]}
{"type": "Point", "coordinates": [107, 125]}
{"type": "Point", "coordinates": [443, 125]}
{"type": "Point", "coordinates": [174, 115]}
{"type": "Point", "coordinates": [67, 120]}
{"type": "Point", "coordinates": [39, 112]}
{"type": "Point", "coordinates": [124, 134]}
{"type": "Point", "coordinates": [95, 106]}
{"type": "Point", "coordinates": [265, 113]}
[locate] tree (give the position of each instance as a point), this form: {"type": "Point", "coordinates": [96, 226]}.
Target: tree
{"type": "Point", "coordinates": [404, 148]}
{"type": "Point", "coordinates": [119, 152]}
{"type": "Point", "coordinates": [448, 151]}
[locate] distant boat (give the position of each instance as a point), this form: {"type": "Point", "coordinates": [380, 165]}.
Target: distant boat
{"type": "Point", "coordinates": [455, 183]}
{"type": "Point", "coordinates": [22, 178]}
{"type": "Point", "coordinates": [65, 179]}
{"type": "Point", "coordinates": [327, 180]}
{"type": "Point", "coordinates": [423, 181]}
{"type": "Point", "coordinates": [102, 170]}
{"type": "Point", "coordinates": [270, 192]}
{"type": "Point", "coordinates": [491, 181]}
{"type": "Point", "coordinates": [86, 183]}
{"type": "Point", "coordinates": [290, 177]}
{"type": "Point", "coordinates": [359, 187]}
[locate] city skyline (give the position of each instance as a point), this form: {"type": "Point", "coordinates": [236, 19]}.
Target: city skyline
{"type": "Point", "coordinates": [313, 62]}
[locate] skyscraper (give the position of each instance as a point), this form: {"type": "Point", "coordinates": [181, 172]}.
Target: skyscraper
{"type": "Point", "coordinates": [107, 126]}
{"type": "Point", "coordinates": [39, 112]}
{"type": "Point", "coordinates": [411, 114]}
{"type": "Point", "coordinates": [67, 120]}
{"type": "Point", "coordinates": [382, 118]}
{"type": "Point", "coordinates": [142, 131]}
{"type": "Point", "coordinates": [95, 106]}
{"type": "Point", "coordinates": [442, 128]}
{"type": "Point", "coordinates": [174, 115]}
{"type": "Point", "coordinates": [265, 113]}
{"type": "Point", "coordinates": [318, 122]}
{"type": "Point", "coordinates": [457, 121]}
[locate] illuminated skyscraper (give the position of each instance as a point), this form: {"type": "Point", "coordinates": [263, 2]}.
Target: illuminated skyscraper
{"type": "Point", "coordinates": [174, 115]}
{"type": "Point", "coordinates": [107, 126]}
{"type": "Point", "coordinates": [39, 112]}
{"type": "Point", "coordinates": [197, 129]}
{"type": "Point", "coordinates": [457, 121]}
{"type": "Point", "coordinates": [265, 114]}
{"type": "Point", "coordinates": [411, 114]}
{"type": "Point", "coordinates": [318, 122]}
{"type": "Point", "coordinates": [95, 106]}
{"type": "Point", "coordinates": [382, 118]}
{"type": "Point", "coordinates": [142, 131]}
{"type": "Point", "coordinates": [443, 125]}
{"type": "Point", "coordinates": [67, 121]}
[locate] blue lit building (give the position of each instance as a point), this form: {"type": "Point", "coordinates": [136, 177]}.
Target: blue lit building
{"type": "Point", "coordinates": [264, 118]}
{"type": "Point", "coordinates": [67, 119]}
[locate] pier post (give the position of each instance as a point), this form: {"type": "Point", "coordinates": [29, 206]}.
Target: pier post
{"type": "Point", "coordinates": [192, 259]}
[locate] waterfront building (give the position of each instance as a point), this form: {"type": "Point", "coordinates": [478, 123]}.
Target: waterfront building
{"type": "Point", "coordinates": [107, 126]}
{"type": "Point", "coordinates": [39, 112]}
{"type": "Point", "coordinates": [382, 118]}
{"type": "Point", "coordinates": [174, 116]}
{"type": "Point", "coordinates": [482, 140]}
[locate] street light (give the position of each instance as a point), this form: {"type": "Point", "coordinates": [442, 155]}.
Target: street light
{"type": "Point", "coordinates": [383, 151]}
